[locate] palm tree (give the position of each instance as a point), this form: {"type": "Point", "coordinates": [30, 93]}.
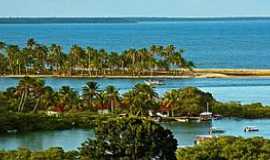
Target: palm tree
{"type": "Point", "coordinates": [90, 52]}
{"type": "Point", "coordinates": [56, 57]}
{"type": "Point", "coordinates": [140, 99]}
{"type": "Point", "coordinates": [40, 58]}
{"type": "Point", "coordinates": [47, 98]}
{"type": "Point", "coordinates": [133, 55]}
{"type": "Point", "coordinates": [170, 100]}
{"type": "Point", "coordinates": [68, 98]}
{"type": "Point", "coordinates": [90, 92]}
{"type": "Point", "coordinates": [74, 57]}
{"type": "Point", "coordinates": [31, 43]}
{"type": "Point", "coordinates": [112, 96]}
{"type": "Point", "coordinates": [38, 89]}
{"type": "Point", "coordinates": [28, 87]}
{"type": "Point", "coordinates": [13, 52]}
{"type": "Point", "coordinates": [3, 64]}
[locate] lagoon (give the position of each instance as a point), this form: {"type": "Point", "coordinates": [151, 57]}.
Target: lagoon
{"type": "Point", "coordinates": [183, 132]}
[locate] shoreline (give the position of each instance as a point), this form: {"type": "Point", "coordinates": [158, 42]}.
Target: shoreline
{"type": "Point", "coordinates": [197, 73]}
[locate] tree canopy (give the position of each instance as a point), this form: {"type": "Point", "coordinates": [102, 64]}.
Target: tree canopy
{"type": "Point", "coordinates": [130, 139]}
{"type": "Point", "coordinates": [228, 148]}
{"type": "Point", "coordinates": [36, 58]}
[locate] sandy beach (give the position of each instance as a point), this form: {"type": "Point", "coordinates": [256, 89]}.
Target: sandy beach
{"type": "Point", "coordinates": [197, 73]}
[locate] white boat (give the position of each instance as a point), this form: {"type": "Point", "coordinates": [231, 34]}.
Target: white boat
{"type": "Point", "coordinates": [216, 130]}
{"type": "Point", "coordinates": [251, 129]}
{"type": "Point", "coordinates": [153, 82]}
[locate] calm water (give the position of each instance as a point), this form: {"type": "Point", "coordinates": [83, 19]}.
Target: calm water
{"type": "Point", "coordinates": [210, 44]}
{"type": "Point", "coordinates": [244, 90]}
{"type": "Point", "coordinates": [183, 132]}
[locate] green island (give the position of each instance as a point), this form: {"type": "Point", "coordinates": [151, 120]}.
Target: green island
{"type": "Point", "coordinates": [34, 106]}
{"type": "Point", "coordinates": [39, 59]}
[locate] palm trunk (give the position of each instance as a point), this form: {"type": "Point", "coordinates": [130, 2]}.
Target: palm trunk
{"type": "Point", "coordinates": [112, 106]}
{"type": "Point", "coordinates": [21, 102]}
{"type": "Point", "coordinates": [22, 107]}
{"type": "Point", "coordinates": [36, 106]}
{"type": "Point", "coordinates": [89, 65]}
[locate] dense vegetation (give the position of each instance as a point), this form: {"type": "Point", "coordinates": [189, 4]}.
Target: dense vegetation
{"type": "Point", "coordinates": [55, 153]}
{"type": "Point", "coordinates": [228, 148]}
{"type": "Point", "coordinates": [41, 59]}
{"type": "Point", "coordinates": [24, 122]}
{"type": "Point", "coordinates": [32, 95]}
{"type": "Point", "coordinates": [130, 139]}
{"type": "Point", "coordinates": [116, 139]}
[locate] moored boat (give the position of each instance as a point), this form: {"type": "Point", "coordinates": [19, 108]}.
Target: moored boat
{"type": "Point", "coordinates": [251, 129]}
{"type": "Point", "coordinates": [216, 130]}
{"type": "Point", "coordinates": [153, 82]}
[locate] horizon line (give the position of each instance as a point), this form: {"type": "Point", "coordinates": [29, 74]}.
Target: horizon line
{"type": "Point", "coordinates": [186, 17]}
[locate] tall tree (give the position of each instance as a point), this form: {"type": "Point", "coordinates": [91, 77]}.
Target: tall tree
{"type": "Point", "coordinates": [130, 138]}
{"type": "Point", "coordinates": [112, 97]}
{"type": "Point", "coordinates": [90, 93]}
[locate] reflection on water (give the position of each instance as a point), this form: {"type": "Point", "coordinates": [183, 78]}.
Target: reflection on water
{"type": "Point", "coordinates": [183, 132]}
{"type": "Point", "coordinates": [68, 139]}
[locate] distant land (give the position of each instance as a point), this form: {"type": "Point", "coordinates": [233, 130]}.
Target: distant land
{"type": "Point", "coordinates": [48, 20]}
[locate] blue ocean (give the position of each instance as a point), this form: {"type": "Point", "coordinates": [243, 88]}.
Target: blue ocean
{"type": "Point", "coordinates": [209, 43]}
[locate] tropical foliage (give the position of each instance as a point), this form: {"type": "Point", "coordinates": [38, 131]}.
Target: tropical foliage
{"type": "Point", "coordinates": [228, 148]}
{"type": "Point", "coordinates": [32, 95]}
{"type": "Point", "coordinates": [36, 58]}
{"type": "Point", "coordinates": [130, 138]}
{"type": "Point", "coordinates": [55, 153]}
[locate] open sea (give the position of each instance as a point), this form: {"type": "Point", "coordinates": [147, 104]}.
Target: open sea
{"type": "Point", "coordinates": [218, 43]}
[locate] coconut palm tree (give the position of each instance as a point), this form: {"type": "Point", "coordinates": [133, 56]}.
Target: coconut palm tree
{"type": "Point", "coordinates": [3, 64]}
{"type": "Point", "coordinates": [68, 98]}
{"type": "Point", "coordinates": [170, 100]}
{"type": "Point", "coordinates": [13, 52]}
{"type": "Point", "coordinates": [31, 43]}
{"type": "Point", "coordinates": [90, 92]}
{"type": "Point", "coordinates": [26, 88]}
{"type": "Point", "coordinates": [112, 96]}
{"type": "Point", "coordinates": [56, 57]}
{"type": "Point", "coordinates": [38, 89]}
{"type": "Point", "coordinates": [40, 58]}
{"type": "Point", "coordinates": [140, 99]}
{"type": "Point", "coordinates": [90, 53]}
{"type": "Point", "coordinates": [74, 57]}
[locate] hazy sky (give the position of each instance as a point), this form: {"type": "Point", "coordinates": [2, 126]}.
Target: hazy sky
{"type": "Point", "coordinates": [126, 8]}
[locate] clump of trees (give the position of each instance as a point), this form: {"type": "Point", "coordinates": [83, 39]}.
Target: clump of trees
{"type": "Point", "coordinates": [235, 109]}
{"type": "Point", "coordinates": [37, 58]}
{"type": "Point", "coordinates": [187, 101]}
{"type": "Point", "coordinates": [228, 148]}
{"type": "Point", "coordinates": [25, 122]}
{"type": "Point", "coordinates": [32, 95]}
{"type": "Point", "coordinates": [130, 138]}
{"type": "Point", "coordinates": [54, 153]}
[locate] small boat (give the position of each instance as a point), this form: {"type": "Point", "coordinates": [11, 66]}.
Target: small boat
{"type": "Point", "coordinates": [157, 119]}
{"type": "Point", "coordinates": [217, 117]}
{"type": "Point", "coordinates": [251, 129]}
{"type": "Point", "coordinates": [216, 130]}
{"type": "Point", "coordinates": [182, 119]}
{"type": "Point", "coordinates": [12, 131]}
{"type": "Point", "coordinates": [153, 82]}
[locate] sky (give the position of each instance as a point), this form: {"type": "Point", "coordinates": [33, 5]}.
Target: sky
{"type": "Point", "coordinates": [134, 8]}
